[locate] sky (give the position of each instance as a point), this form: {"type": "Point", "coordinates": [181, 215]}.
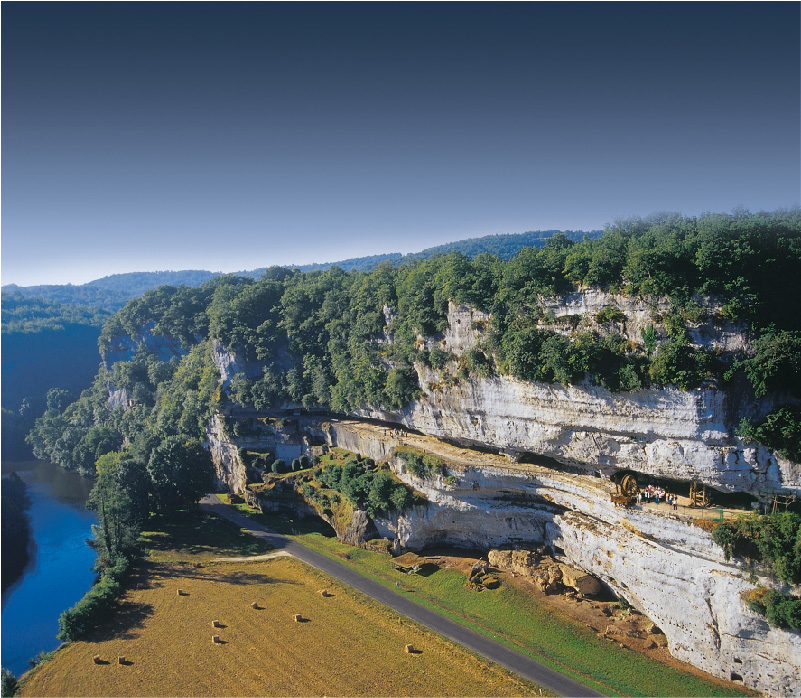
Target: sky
{"type": "Point", "coordinates": [232, 136]}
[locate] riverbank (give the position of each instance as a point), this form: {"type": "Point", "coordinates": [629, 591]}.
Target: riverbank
{"type": "Point", "coordinates": [59, 571]}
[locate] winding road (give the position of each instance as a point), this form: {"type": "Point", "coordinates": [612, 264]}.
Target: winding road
{"type": "Point", "coordinates": [494, 651]}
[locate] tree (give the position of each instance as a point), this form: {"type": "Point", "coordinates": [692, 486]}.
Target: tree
{"type": "Point", "coordinates": [279, 466]}
{"type": "Point", "coordinates": [181, 472]}
{"type": "Point", "coordinates": [120, 498]}
{"type": "Point", "coordinates": [776, 364]}
{"type": "Point", "coordinates": [9, 684]}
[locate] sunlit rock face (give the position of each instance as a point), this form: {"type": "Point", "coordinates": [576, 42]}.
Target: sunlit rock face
{"type": "Point", "coordinates": [663, 564]}
{"type": "Point", "coordinates": [668, 433]}
{"type": "Point", "coordinates": [230, 471]}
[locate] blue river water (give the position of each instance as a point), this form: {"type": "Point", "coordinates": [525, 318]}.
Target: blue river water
{"type": "Point", "coordinates": [59, 572]}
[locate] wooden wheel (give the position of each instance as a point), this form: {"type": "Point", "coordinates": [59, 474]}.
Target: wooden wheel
{"type": "Point", "coordinates": [628, 485]}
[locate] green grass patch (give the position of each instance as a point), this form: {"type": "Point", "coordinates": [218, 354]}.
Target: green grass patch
{"type": "Point", "coordinates": [187, 534]}
{"type": "Point", "coordinates": [518, 620]}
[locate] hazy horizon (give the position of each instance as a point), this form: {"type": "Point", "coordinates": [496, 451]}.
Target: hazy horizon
{"type": "Point", "coordinates": [233, 136]}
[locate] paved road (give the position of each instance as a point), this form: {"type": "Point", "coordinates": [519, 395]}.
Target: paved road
{"type": "Point", "coordinates": [494, 651]}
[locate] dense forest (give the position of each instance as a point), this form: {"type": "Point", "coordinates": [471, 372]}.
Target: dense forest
{"type": "Point", "coordinates": [49, 331]}
{"type": "Point", "coordinates": [343, 340]}
{"type": "Point", "coordinates": [16, 528]}
{"type": "Point", "coordinates": [46, 345]}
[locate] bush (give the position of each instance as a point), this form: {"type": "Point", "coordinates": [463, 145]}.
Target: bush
{"type": "Point", "coordinates": [439, 358]}
{"type": "Point", "coordinates": [780, 430]}
{"type": "Point", "coordinates": [772, 540]}
{"type": "Point", "coordinates": [678, 363]}
{"type": "Point", "coordinates": [9, 684]}
{"type": "Point", "coordinates": [781, 610]}
{"type": "Point", "coordinates": [422, 464]}
{"type": "Point", "coordinates": [279, 466]}
{"type": "Point", "coordinates": [609, 314]}
{"type": "Point", "coordinates": [96, 606]}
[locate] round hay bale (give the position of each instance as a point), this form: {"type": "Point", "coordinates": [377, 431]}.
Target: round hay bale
{"type": "Point", "coordinates": [215, 624]}
{"type": "Point", "coordinates": [409, 649]}
{"type": "Point", "coordinates": [120, 660]}
{"type": "Point", "coordinates": [96, 659]}
{"type": "Point", "coordinates": [298, 618]}
{"type": "Point", "coordinates": [255, 605]}
{"type": "Point", "coordinates": [215, 639]}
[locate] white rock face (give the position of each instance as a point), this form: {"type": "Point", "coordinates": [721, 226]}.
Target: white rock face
{"type": "Point", "coordinates": [665, 566]}
{"type": "Point", "coordinates": [669, 433]}
{"type": "Point", "coordinates": [231, 473]}
{"type": "Point", "coordinates": [640, 314]}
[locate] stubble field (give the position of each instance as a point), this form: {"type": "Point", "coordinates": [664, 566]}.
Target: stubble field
{"type": "Point", "coordinates": [348, 646]}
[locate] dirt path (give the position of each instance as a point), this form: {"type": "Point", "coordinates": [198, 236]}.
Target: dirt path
{"type": "Point", "coordinates": [254, 558]}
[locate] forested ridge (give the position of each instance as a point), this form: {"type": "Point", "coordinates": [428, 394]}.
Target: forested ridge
{"type": "Point", "coordinates": [109, 294]}
{"type": "Point", "coordinates": [343, 340]}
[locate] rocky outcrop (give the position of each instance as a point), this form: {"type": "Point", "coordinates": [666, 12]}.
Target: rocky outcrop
{"type": "Point", "coordinates": [549, 575]}
{"type": "Point", "coordinates": [230, 471]}
{"type": "Point", "coordinates": [661, 563]}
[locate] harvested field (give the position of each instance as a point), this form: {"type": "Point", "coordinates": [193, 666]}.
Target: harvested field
{"type": "Point", "coordinates": [347, 645]}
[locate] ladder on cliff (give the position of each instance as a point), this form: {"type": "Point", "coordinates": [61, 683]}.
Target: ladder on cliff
{"type": "Point", "coordinates": [699, 496]}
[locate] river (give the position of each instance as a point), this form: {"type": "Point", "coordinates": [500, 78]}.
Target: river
{"type": "Point", "coordinates": [59, 571]}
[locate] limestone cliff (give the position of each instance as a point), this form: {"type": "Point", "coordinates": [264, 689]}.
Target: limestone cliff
{"type": "Point", "coordinates": [662, 563]}
{"type": "Point", "coordinates": [668, 433]}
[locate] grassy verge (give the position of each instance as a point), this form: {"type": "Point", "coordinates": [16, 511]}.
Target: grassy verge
{"type": "Point", "coordinates": [516, 619]}
{"type": "Point", "coordinates": [197, 535]}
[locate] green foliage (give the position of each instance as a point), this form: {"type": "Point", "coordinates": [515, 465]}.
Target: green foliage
{"type": "Point", "coordinates": [279, 466]}
{"type": "Point", "coordinates": [776, 363]}
{"type": "Point", "coordinates": [120, 497]}
{"type": "Point", "coordinates": [365, 486]}
{"type": "Point", "coordinates": [610, 314]}
{"type": "Point", "coordinates": [181, 472]}
{"type": "Point", "coordinates": [650, 338]}
{"type": "Point", "coordinates": [96, 606]}
{"type": "Point", "coordinates": [8, 683]}
{"type": "Point", "coordinates": [679, 363]}
{"type": "Point", "coordinates": [475, 362]}
{"type": "Point", "coordinates": [781, 610]}
{"type": "Point", "coordinates": [779, 430]}
{"type": "Point", "coordinates": [421, 464]}
{"type": "Point", "coordinates": [16, 526]}
{"type": "Point", "coordinates": [772, 541]}
{"type": "Point", "coordinates": [33, 314]}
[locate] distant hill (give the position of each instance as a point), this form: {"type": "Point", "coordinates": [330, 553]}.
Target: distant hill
{"type": "Point", "coordinates": [112, 292]}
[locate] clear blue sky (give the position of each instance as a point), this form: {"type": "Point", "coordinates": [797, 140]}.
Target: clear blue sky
{"type": "Point", "coordinates": [230, 136]}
